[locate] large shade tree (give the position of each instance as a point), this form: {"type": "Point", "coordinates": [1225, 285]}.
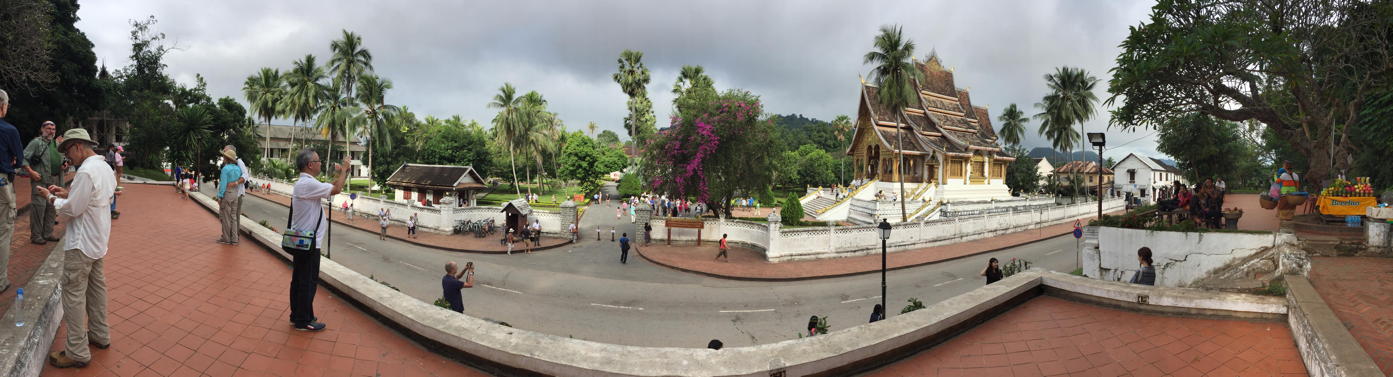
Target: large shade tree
{"type": "Point", "coordinates": [716, 148]}
{"type": "Point", "coordinates": [894, 74]}
{"type": "Point", "coordinates": [1301, 67]}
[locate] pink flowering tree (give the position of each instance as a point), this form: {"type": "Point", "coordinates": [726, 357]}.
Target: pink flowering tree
{"type": "Point", "coordinates": [715, 148]}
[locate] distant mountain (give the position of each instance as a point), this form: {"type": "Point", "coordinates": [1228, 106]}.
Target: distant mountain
{"type": "Point", "coordinates": [1057, 158]}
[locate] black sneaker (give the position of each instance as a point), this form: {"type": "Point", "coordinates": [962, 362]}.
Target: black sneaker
{"type": "Point", "coordinates": [312, 326]}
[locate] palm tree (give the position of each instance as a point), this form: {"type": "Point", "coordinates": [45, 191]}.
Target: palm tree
{"type": "Point", "coordinates": [534, 118]}
{"type": "Point", "coordinates": [894, 74]}
{"type": "Point", "coordinates": [1013, 123]}
{"type": "Point", "coordinates": [190, 134]}
{"type": "Point", "coordinates": [1070, 101]}
{"type": "Point", "coordinates": [692, 76]}
{"type": "Point", "coordinates": [507, 125]}
{"type": "Point", "coordinates": [592, 127]}
{"type": "Point", "coordinates": [350, 61]}
{"type": "Point", "coordinates": [842, 126]}
{"type": "Point", "coordinates": [264, 92]}
{"type": "Point", "coordinates": [633, 80]}
{"type": "Point", "coordinates": [304, 91]}
{"type": "Point", "coordinates": [337, 118]}
{"type": "Point", "coordinates": [372, 93]}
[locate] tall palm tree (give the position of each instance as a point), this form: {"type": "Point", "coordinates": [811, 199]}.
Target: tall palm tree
{"type": "Point", "coordinates": [895, 74]}
{"type": "Point", "coordinates": [534, 118]}
{"type": "Point", "coordinates": [349, 62]}
{"type": "Point", "coordinates": [592, 127]}
{"type": "Point", "coordinates": [842, 127]}
{"type": "Point", "coordinates": [507, 125]}
{"type": "Point", "coordinates": [190, 133]}
{"type": "Point", "coordinates": [304, 91]}
{"type": "Point", "coordinates": [264, 91]}
{"type": "Point", "coordinates": [1070, 101]}
{"type": "Point", "coordinates": [1013, 122]}
{"type": "Point", "coordinates": [633, 78]}
{"type": "Point", "coordinates": [691, 76]}
{"type": "Point", "coordinates": [337, 118]}
{"type": "Point", "coordinates": [372, 94]}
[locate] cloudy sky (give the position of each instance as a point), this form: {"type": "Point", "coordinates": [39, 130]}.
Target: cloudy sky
{"type": "Point", "coordinates": [450, 57]}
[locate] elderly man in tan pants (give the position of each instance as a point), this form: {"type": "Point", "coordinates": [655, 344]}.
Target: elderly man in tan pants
{"type": "Point", "coordinates": [87, 202]}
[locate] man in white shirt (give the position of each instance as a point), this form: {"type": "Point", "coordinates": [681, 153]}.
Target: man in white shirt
{"type": "Point", "coordinates": [308, 214]}
{"type": "Point", "coordinates": [87, 202]}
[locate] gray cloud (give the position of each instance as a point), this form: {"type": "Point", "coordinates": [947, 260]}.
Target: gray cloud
{"type": "Point", "coordinates": [449, 58]}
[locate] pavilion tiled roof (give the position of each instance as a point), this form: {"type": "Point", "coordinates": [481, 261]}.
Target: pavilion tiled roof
{"type": "Point", "coordinates": [942, 118]}
{"type": "Point", "coordinates": [440, 177]}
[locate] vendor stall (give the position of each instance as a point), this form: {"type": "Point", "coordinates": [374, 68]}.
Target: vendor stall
{"type": "Point", "coordinates": [1346, 198]}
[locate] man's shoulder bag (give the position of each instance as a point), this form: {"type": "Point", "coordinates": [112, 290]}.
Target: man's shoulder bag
{"type": "Point", "coordinates": [293, 240]}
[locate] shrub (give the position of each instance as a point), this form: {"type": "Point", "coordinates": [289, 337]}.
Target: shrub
{"type": "Point", "coordinates": [792, 212]}
{"type": "Point", "coordinates": [629, 185]}
{"type": "Point", "coordinates": [914, 304]}
{"type": "Point", "coordinates": [1014, 266]}
{"type": "Point", "coordinates": [442, 303]}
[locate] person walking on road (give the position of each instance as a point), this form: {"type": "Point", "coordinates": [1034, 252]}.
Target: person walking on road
{"type": "Point", "coordinates": [647, 233]}
{"type": "Point", "coordinates": [411, 226]}
{"type": "Point", "coordinates": [87, 205]}
{"type": "Point", "coordinates": [575, 232]}
{"type": "Point", "coordinates": [624, 249]}
{"type": "Point", "coordinates": [230, 178]}
{"type": "Point", "coordinates": [42, 156]}
{"type": "Point", "coordinates": [509, 240]}
{"type": "Point", "coordinates": [452, 285]}
{"type": "Point", "coordinates": [307, 217]}
{"type": "Point", "coordinates": [725, 248]}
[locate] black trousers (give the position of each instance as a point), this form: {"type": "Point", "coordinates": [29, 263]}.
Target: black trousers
{"type": "Point", "coordinates": [624, 255]}
{"type": "Point", "coordinates": [304, 279]}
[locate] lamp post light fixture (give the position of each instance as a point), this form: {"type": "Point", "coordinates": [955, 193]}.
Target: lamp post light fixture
{"type": "Point", "coordinates": [884, 237]}
{"type": "Point", "coordinates": [1099, 139]}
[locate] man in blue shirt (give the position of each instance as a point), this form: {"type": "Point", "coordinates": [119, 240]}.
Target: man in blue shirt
{"type": "Point", "coordinates": [11, 161]}
{"type": "Point", "coordinates": [227, 197]}
{"type": "Point", "coordinates": [624, 249]}
{"type": "Point", "coordinates": [452, 285]}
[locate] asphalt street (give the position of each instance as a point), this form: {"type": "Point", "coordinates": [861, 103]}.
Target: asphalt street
{"type": "Point", "coordinates": [582, 290]}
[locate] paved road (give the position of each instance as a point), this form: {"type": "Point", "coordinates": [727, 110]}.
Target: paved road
{"type": "Point", "coordinates": [582, 291]}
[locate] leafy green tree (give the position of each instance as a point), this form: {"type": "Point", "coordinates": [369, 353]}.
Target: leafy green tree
{"type": "Point", "coordinates": [1021, 174]}
{"type": "Point", "coordinates": [455, 142]}
{"type": "Point", "coordinates": [691, 76]}
{"type": "Point", "coordinates": [786, 167]}
{"type": "Point", "coordinates": [580, 161]}
{"type": "Point", "coordinates": [792, 211]}
{"type": "Point", "coordinates": [844, 128]}
{"type": "Point", "coordinates": [1204, 147]}
{"type": "Point", "coordinates": [633, 78]}
{"type": "Point", "coordinates": [1302, 68]}
{"type": "Point", "coordinates": [264, 92]}
{"type": "Point", "coordinates": [47, 65]}
{"type": "Point", "coordinates": [608, 137]}
{"type": "Point", "coordinates": [629, 185]}
{"type": "Point", "coordinates": [612, 159]}
{"type": "Point", "coordinates": [1013, 123]}
{"type": "Point", "coordinates": [815, 167]}
{"type": "Point", "coordinates": [1069, 102]}
{"type": "Point", "coordinates": [894, 73]}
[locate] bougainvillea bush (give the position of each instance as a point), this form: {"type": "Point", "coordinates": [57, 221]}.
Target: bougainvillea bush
{"type": "Point", "coordinates": [717, 147]}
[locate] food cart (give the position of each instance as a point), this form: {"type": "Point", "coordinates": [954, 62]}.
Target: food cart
{"type": "Point", "coordinates": [1346, 198]}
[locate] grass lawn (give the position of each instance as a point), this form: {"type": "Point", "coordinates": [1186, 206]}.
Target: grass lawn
{"type": "Point", "coordinates": [149, 173]}
{"type": "Point", "coordinates": [505, 192]}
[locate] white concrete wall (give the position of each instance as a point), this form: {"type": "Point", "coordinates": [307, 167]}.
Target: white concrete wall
{"type": "Point", "coordinates": [1180, 258]}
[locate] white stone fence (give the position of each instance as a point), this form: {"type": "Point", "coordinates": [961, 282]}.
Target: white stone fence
{"type": "Point", "coordinates": [843, 241]}
{"type": "Point", "coordinates": [959, 209]}
{"type": "Point", "coordinates": [439, 218]}
{"type": "Point", "coordinates": [1181, 258]}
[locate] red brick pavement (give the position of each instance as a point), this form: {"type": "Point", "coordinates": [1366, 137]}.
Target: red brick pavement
{"type": "Point", "coordinates": [1048, 336]}
{"type": "Point", "coordinates": [749, 264]}
{"type": "Point", "coordinates": [1254, 217]}
{"type": "Point", "coordinates": [464, 243]}
{"type": "Point", "coordinates": [181, 304]}
{"type": "Point", "coordinates": [1357, 290]}
{"type": "Point", "coordinates": [25, 257]}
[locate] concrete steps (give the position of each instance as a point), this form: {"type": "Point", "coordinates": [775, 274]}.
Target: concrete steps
{"type": "Point", "coordinates": [814, 205]}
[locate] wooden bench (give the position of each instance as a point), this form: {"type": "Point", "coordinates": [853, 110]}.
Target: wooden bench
{"type": "Point", "coordinates": [684, 223]}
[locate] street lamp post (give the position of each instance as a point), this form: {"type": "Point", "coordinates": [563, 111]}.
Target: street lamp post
{"type": "Point", "coordinates": [884, 237]}
{"type": "Point", "coordinates": [1098, 139]}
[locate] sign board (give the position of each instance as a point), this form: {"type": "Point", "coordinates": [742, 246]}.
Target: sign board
{"type": "Point", "coordinates": [1345, 205]}
{"type": "Point", "coordinates": [1078, 232]}
{"type": "Point", "coordinates": [685, 223]}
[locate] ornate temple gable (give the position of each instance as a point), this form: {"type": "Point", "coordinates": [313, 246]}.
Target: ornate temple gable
{"type": "Point", "coordinates": [984, 124]}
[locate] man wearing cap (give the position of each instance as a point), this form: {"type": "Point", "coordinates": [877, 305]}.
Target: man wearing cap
{"type": "Point", "coordinates": [86, 203]}
{"type": "Point", "coordinates": [227, 199]}
{"type": "Point", "coordinates": [42, 155]}
{"type": "Point", "coordinates": [11, 161]}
